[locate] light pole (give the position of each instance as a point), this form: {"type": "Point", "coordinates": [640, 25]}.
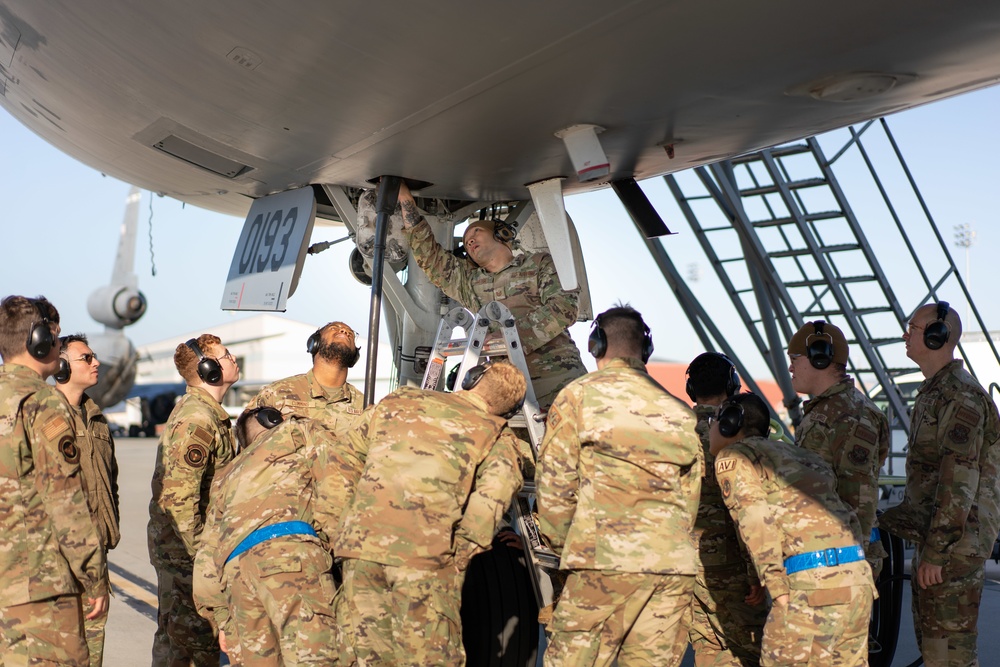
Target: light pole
{"type": "Point", "coordinates": [965, 236]}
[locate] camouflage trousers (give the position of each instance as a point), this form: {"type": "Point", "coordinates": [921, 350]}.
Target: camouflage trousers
{"type": "Point", "coordinates": [822, 627]}
{"type": "Point", "coordinates": [946, 616]}
{"type": "Point", "coordinates": [47, 632]}
{"type": "Point", "coordinates": [281, 605]}
{"type": "Point", "coordinates": [400, 616]}
{"type": "Point", "coordinates": [548, 386]}
{"type": "Point", "coordinates": [183, 638]}
{"type": "Point", "coordinates": [638, 619]}
{"type": "Point", "coordinates": [94, 628]}
{"type": "Point", "coordinates": [723, 628]}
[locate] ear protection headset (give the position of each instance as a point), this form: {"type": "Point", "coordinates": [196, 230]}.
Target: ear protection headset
{"type": "Point", "coordinates": [40, 338]}
{"type": "Point", "coordinates": [733, 385]}
{"type": "Point", "coordinates": [62, 375]}
{"type": "Point", "coordinates": [475, 375]}
{"type": "Point", "coordinates": [316, 339]}
{"type": "Point", "coordinates": [269, 417]}
{"type": "Point", "coordinates": [730, 419]}
{"type": "Point", "coordinates": [503, 231]}
{"type": "Point", "coordinates": [209, 370]}
{"type": "Point", "coordinates": [597, 344]}
{"type": "Point", "coordinates": [936, 333]}
{"type": "Point", "coordinates": [819, 351]}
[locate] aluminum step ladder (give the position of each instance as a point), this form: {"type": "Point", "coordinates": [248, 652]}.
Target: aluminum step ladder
{"type": "Point", "coordinates": [473, 347]}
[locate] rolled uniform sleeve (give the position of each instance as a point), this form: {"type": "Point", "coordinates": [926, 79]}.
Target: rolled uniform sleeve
{"type": "Point", "coordinates": [746, 501]}
{"type": "Point", "coordinates": [498, 478]}
{"type": "Point", "coordinates": [557, 474]}
{"type": "Point", "coordinates": [57, 480]}
{"type": "Point", "coordinates": [449, 273]}
{"type": "Point", "coordinates": [960, 431]}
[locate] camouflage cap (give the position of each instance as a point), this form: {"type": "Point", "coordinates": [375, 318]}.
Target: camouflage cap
{"type": "Point", "coordinates": [819, 329]}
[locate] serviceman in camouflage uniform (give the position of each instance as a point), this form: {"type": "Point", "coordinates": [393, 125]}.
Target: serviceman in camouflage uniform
{"type": "Point", "coordinates": [950, 507]}
{"type": "Point", "coordinates": [728, 610]}
{"type": "Point", "coordinates": [48, 544]}
{"type": "Point", "coordinates": [526, 283]}
{"type": "Point", "coordinates": [619, 473]}
{"type": "Point", "coordinates": [323, 394]}
{"type": "Point", "coordinates": [197, 443]}
{"type": "Point", "coordinates": [98, 467]}
{"type": "Point", "coordinates": [440, 471]}
{"type": "Point", "coordinates": [841, 425]}
{"type": "Point", "coordinates": [804, 540]}
{"type": "Point", "coordinates": [264, 567]}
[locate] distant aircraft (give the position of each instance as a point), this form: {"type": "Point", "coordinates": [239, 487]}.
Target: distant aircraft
{"type": "Point", "coordinates": [116, 306]}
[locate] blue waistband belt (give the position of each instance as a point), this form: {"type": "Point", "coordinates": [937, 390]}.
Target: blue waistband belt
{"type": "Point", "coordinates": [824, 558]}
{"type": "Point", "coordinates": [266, 533]}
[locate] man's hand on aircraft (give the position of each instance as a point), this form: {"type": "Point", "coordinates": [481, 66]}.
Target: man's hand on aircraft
{"type": "Point", "coordinates": [411, 215]}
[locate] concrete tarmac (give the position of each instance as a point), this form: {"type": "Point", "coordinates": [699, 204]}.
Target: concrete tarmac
{"type": "Point", "coordinates": [132, 619]}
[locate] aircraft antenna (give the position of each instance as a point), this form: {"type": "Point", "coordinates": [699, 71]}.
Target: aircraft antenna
{"type": "Point", "coordinates": [152, 256]}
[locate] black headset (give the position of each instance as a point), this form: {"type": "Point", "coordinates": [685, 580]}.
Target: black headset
{"type": "Point", "coordinates": [209, 370]}
{"type": "Point", "coordinates": [316, 339]}
{"type": "Point", "coordinates": [40, 338]}
{"type": "Point", "coordinates": [820, 351]}
{"type": "Point", "coordinates": [597, 344]}
{"type": "Point", "coordinates": [269, 417]}
{"type": "Point", "coordinates": [62, 374]}
{"type": "Point", "coordinates": [733, 385]}
{"type": "Point", "coordinates": [475, 375]}
{"type": "Point", "coordinates": [730, 419]}
{"type": "Point", "coordinates": [503, 231]}
{"type": "Point", "coordinates": [936, 333]}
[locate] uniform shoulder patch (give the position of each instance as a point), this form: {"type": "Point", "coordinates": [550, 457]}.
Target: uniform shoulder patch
{"type": "Point", "coordinates": [554, 419]}
{"type": "Point", "coordinates": [959, 434]}
{"type": "Point", "coordinates": [727, 488]}
{"type": "Point", "coordinates": [967, 415]}
{"type": "Point", "coordinates": [54, 426]}
{"type": "Point", "coordinates": [725, 465]}
{"type": "Point", "coordinates": [69, 450]}
{"type": "Point", "coordinates": [866, 434]}
{"type": "Point", "coordinates": [202, 435]}
{"type": "Point", "coordinates": [818, 417]}
{"type": "Point", "coordinates": [859, 455]}
{"type": "Point", "coordinates": [196, 455]}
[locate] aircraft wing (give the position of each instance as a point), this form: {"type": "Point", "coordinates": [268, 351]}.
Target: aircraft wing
{"type": "Point", "coordinates": [216, 103]}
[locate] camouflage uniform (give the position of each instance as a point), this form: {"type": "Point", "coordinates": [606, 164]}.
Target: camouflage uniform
{"type": "Point", "coordinates": [440, 472]}
{"type": "Point", "coordinates": [303, 396]}
{"type": "Point", "coordinates": [950, 509]}
{"type": "Point", "coordinates": [847, 431]}
{"type": "Point", "coordinates": [784, 502]}
{"type": "Point", "coordinates": [619, 473]}
{"type": "Point", "coordinates": [275, 600]}
{"type": "Point", "coordinates": [197, 443]}
{"type": "Point", "coordinates": [530, 288]}
{"type": "Point", "coordinates": [723, 628]}
{"type": "Point", "coordinates": [47, 541]}
{"type": "Point", "coordinates": [99, 474]}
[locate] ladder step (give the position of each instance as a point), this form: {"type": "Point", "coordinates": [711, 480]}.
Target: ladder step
{"type": "Point", "coordinates": [856, 311]}
{"type": "Point", "coordinates": [885, 341]}
{"type": "Point", "coordinates": [823, 283]}
{"type": "Point", "coordinates": [780, 151]}
{"type": "Point", "coordinates": [792, 185]}
{"type": "Point", "coordinates": [788, 220]}
{"type": "Point", "coordinates": [798, 252]}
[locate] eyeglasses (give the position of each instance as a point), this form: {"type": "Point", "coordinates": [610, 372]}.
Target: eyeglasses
{"type": "Point", "coordinates": [713, 418]}
{"type": "Point", "coordinates": [228, 355]}
{"type": "Point", "coordinates": [88, 358]}
{"type": "Point", "coordinates": [913, 326]}
{"type": "Point", "coordinates": [793, 357]}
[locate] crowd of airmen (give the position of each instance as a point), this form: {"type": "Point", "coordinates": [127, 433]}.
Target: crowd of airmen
{"type": "Point", "coordinates": [316, 532]}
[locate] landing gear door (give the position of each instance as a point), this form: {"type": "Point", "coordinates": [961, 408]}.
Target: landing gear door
{"type": "Point", "coordinates": [532, 239]}
{"type": "Point", "coordinates": [272, 247]}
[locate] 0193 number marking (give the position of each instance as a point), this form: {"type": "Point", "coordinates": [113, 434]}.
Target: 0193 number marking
{"type": "Point", "coordinates": [267, 241]}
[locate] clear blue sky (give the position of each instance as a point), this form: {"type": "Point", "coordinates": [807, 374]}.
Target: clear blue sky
{"type": "Point", "coordinates": [61, 222]}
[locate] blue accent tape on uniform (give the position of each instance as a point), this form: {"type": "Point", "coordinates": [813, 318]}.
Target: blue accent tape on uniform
{"type": "Point", "coordinates": [824, 558]}
{"type": "Point", "coordinates": [266, 533]}
{"type": "Point", "coordinates": [875, 535]}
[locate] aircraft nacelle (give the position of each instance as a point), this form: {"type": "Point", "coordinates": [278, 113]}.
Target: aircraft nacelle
{"type": "Point", "coordinates": [116, 375]}
{"type": "Point", "coordinates": [116, 306]}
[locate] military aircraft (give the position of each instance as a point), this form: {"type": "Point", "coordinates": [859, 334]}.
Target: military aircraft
{"type": "Point", "coordinates": [488, 104]}
{"type": "Point", "coordinates": [118, 305]}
